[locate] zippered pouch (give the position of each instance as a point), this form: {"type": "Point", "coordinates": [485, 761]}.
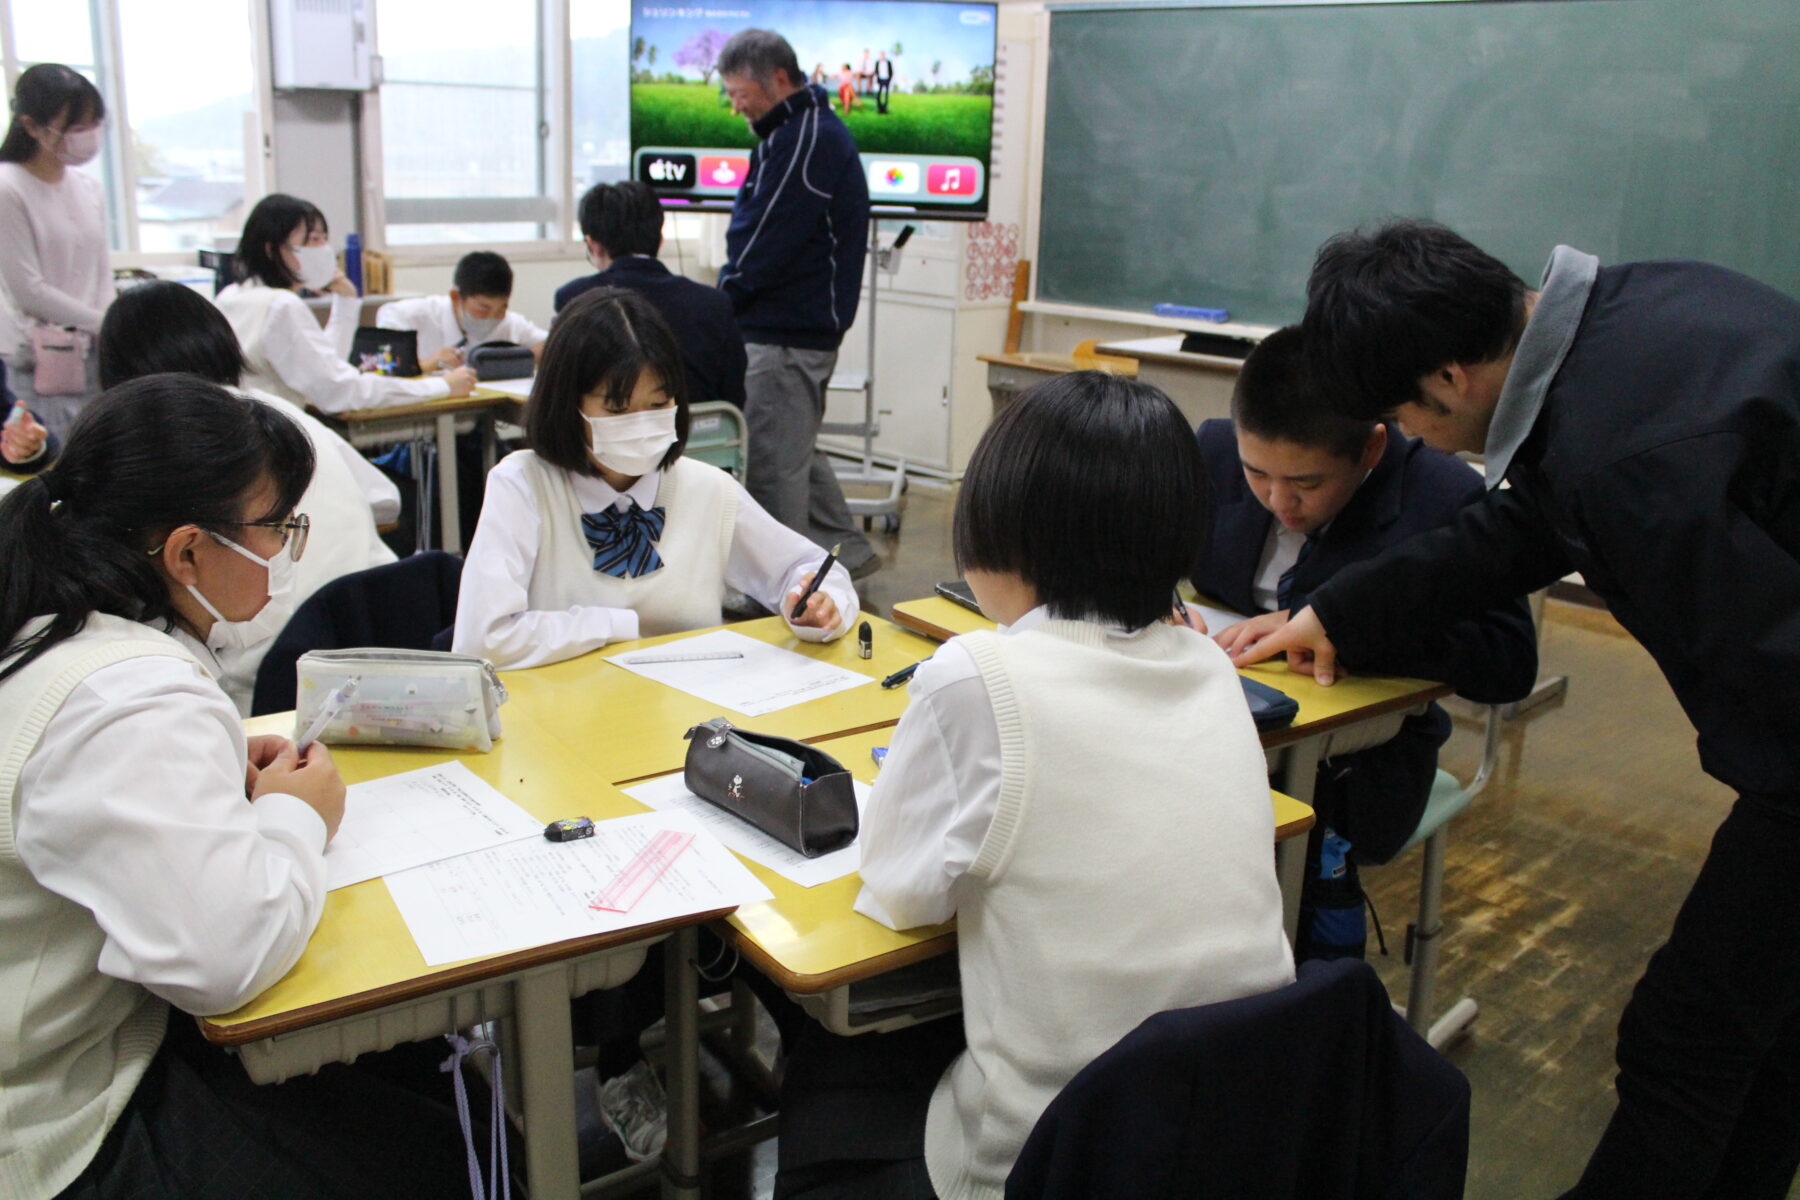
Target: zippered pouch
{"type": "Point", "coordinates": [402, 698]}
{"type": "Point", "coordinates": [795, 793]}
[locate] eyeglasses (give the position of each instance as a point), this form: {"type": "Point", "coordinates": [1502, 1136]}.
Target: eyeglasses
{"type": "Point", "coordinates": [293, 532]}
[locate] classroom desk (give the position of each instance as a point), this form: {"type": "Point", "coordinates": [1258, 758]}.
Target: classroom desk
{"type": "Point", "coordinates": [369, 428]}
{"type": "Point", "coordinates": [630, 727]}
{"type": "Point", "coordinates": [1353, 714]}
{"type": "Point", "coordinates": [812, 943]}
{"type": "Point", "coordinates": [1010, 374]}
{"type": "Point", "coordinates": [1200, 384]}
{"type": "Point", "coordinates": [362, 985]}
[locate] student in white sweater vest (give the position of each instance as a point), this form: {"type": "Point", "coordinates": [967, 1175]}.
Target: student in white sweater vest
{"type": "Point", "coordinates": [602, 531]}
{"type": "Point", "coordinates": [160, 327]}
{"type": "Point", "coordinates": [1083, 791]}
{"type": "Point", "coordinates": [286, 246]}
{"type": "Point", "coordinates": [150, 855]}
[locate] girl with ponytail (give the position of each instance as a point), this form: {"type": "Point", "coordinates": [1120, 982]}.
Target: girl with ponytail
{"type": "Point", "coordinates": [135, 875]}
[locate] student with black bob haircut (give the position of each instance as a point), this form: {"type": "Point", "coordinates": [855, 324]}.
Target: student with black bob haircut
{"type": "Point", "coordinates": [1405, 299]}
{"type": "Point", "coordinates": [477, 310]}
{"type": "Point", "coordinates": [1089, 710]}
{"type": "Point", "coordinates": [55, 262]}
{"type": "Point", "coordinates": [1275, 399]}
{"type": "Point", "coordinates": [164, 327]}
{"type": "Point", "coordinates": [603, 531]}
{"type": "Point", "coordinates": [1079, 494]}
{"type": "Point", "coordinates": [622, 224]}
{"type": "Point", "coordinates": [286, 246]}
{"type": "Point", "coordinates": [159, 862]}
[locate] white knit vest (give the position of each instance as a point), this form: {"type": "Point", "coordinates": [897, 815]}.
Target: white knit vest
{"type": "Point", "coordinates": [700, 513]}
{"type": "Point", "coordinates": [73, 1042]}
{"type": "Point", "coordinates": [246, 305]}
{"type": "Point", "coordinates": [1129, 869]}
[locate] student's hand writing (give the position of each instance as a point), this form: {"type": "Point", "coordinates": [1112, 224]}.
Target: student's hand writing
{"type": "Point", "coordinates": [313, 779]}
{"type": "Point", "coordinates": [1188, 617]}
{"type": "Point", "coordinates": [461, 381]}
{"type": "Point", "coordinates": [264, 748]}
{"type": "Point", "coordinates": [1245, 634]}
{"type": "Point", "coordinates": [1309, 651]}
{"type": "Point", "coordinates": [821, 611]}
{"type": "Point", "coordinates": [443, 360]}
{"type": "Point", "coordinates": [340, 283]}
{"type": "Point", "coordinates": [24, 439]}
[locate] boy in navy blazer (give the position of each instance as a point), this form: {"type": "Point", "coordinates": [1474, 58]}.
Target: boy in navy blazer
{"type": "Point", "coordinates": [1298, 493]}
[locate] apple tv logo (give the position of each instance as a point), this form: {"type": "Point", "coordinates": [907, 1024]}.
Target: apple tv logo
{"type": "Point", "coordinates": [669, 170]}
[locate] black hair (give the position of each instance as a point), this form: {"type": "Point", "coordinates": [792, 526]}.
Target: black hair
{"type": "Point", "coordinates": [624, 218]}
{"type": "Point", "coordinates": [45, 92]}
{"type": "Point", "coordinates": [483, 273]}
{"type": "Point", "coordinates": [759, 53]}
{"type": "Point", "coordinates": [1387, 307]}
{"type": "Point", "coordinates": [1091, 488]}
{"type": "Point", "coordinates": [1278, 398]}
{"type": "Point", "coordinates": [161, 327]}
{"type": "Point", "coordinates": [266, 230]}
{"type": "Point", "coordinates": [602, 341]}
{"type": "Point", "coordinates": [143, 459]}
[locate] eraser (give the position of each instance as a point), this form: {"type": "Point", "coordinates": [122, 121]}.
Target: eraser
{"type": "Point", "coordinates": [1190, 313]}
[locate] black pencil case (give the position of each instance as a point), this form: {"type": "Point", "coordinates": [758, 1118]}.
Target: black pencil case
{"type": "Point", "coordinates": [798, 795]}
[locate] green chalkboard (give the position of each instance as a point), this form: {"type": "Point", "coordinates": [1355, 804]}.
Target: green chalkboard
{"type": "Point", "coordinates": [1200, 154]}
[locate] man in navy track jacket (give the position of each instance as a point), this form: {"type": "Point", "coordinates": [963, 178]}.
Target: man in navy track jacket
{"type": "Point", "coordinates": [795, 250]}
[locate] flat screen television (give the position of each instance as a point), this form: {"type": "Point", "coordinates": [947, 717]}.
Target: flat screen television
{"type": "Point", "coordinates": [913, 80]}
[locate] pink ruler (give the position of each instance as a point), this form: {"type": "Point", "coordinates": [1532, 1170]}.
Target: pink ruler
{"type": "Point", "coordinates": [644, 869]}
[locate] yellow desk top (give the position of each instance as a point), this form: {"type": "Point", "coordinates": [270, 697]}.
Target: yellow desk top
{"type": "Point", "coordinates": [629, 727]}
{"type": "Point", "coordinates": [811, 940]}
{"type": "Point", "coordinates": [1351, 698]}
{"type": "Point", "coordinates": [362, 956]}
{"type": "Point", "coordinates": [1062, 364]}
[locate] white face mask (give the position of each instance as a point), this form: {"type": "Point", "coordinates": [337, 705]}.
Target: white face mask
{"type": "Point", "coordinates": [318, 266]}
{"type": "Point", "coordinates": [74, 149]}
{"type": "Point", "coordinates": [478, 329]}
{"type": "Point", "coordinates": [632, 443]}
{"type": "Point", "coordinates": [269, 619]}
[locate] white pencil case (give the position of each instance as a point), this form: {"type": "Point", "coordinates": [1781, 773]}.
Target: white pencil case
{"type": "Point", "coordinates": [402, 698]}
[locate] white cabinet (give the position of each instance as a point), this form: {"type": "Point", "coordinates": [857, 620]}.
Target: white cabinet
{"type": "Point", "coordinates": [913, 353]}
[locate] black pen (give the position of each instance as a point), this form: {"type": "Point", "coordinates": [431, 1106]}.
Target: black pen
{"type": "Point", "coordinates": [901, 676]}
{"type": "Point", "coordinates": [817, 579]}
{"type": "Point", "coordinates": [1181, 609]}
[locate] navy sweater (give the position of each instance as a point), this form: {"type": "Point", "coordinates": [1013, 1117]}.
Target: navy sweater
{"type": "Point", "coordinates": [799, 229]}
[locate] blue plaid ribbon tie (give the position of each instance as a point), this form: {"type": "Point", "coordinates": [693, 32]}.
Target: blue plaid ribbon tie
{"type": "Point", "coordinates": [624, 541]}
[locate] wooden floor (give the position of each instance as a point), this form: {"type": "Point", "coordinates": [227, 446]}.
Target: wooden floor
{"type": "Point", "coordinates": [1560, 881]}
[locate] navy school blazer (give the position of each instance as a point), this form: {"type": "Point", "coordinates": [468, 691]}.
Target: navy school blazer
{"type": "Point", "coordinates": [1490, 658]}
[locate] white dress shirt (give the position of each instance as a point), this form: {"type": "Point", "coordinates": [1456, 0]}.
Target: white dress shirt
{"type": "Point", "coordinates": [766, 562]}
{"type": "Point", "coordinates": [1280, 551]}
{"type": "Point", "coordinates": [133, 806]}
{"type": "Point", "coordinates": [434, 318]}
{"type": "Point", "coordinates": [291, 356]}
{"type": "Point", "coordinates": [937, 792]}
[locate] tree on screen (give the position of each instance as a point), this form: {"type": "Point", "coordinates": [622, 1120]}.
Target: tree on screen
{"type": "Point", "coordinates": [701, 53]}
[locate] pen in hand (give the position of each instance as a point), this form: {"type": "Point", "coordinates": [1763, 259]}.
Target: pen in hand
{"type": "Point", "coordinates": [328, 711]}
{"type": "Point", "coordinates": [817, 579]}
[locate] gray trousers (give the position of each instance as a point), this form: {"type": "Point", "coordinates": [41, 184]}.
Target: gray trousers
{"type": "Point", "coordinates": [784, 403]}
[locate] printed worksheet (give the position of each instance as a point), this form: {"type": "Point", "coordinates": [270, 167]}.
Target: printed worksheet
{"type": "Point", "coordinates": [1218, 620]}
{"type": "Point", "coordinates": [403, 821]}
{"type": "Point", "coordinates": [670, 794]}
{"type": "Point", "coordinates": [634, 871]}
{"type": "Point", "coordinates": [512, 387]}
{"type": "Point", "coordinates": [755, 679]}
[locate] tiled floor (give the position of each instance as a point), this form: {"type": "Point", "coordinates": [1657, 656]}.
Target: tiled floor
{"type": "Point", "coordinates": [1561, 880]}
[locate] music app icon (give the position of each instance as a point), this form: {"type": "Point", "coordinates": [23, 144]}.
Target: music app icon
{"type": "Point", "coordinates": [951, 179]}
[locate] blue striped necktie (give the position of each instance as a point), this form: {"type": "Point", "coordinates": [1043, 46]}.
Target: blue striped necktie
{"type": "Point", "coordinates": [624, 542]}
{"type": "Point", "coordinates": [1284, 588]}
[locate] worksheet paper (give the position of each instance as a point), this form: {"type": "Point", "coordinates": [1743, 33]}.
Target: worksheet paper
{"type": "Point", "coordinates": [1218, 620]}
{"type": "Point", "coordinates": [402, 821]}
{"type": "Point", "coordinates": [765, 680]}
{"type": "Point", "coordinates": [670, 794]}
{"type": "Point", "coordinates": [512, 387]}
{"type": "Point", "coordinates": [535, 892]}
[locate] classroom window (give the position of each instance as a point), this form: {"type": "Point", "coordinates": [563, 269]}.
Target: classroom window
{"type": "Point", "coordinates": [599, 101]}
{"type": "Point", "coordinates": [464, 121]}
{"type": "Point", "coordinates": [65, 33]}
